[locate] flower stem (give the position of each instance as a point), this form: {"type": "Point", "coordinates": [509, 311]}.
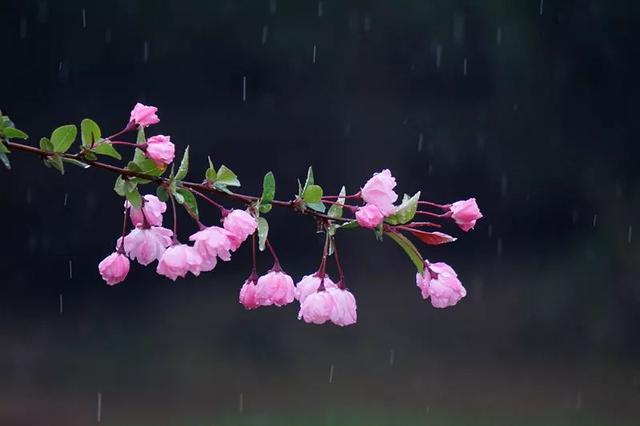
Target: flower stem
{"type": "Point", "coordinates": [120, 248]}
{"type": "Point", "coordinates": [276, 261]}
{"type": "Point", "coordinates": [443, 215]}
{"type": "Point", "coordinates": [175, 219]}
{"type": "Point", "coordinates": [429, 203]}
{"type": "Point", "coordinates": [223, 211]}
{"type": "Point", "coordinates": [341, 283]}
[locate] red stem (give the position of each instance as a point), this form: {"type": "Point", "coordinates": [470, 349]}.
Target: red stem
{"type": "Point", "coordinates": [276, 261]}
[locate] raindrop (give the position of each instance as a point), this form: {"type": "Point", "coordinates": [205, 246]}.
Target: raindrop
{"type": "Point", "coordinates": [66, 197]}
{"type": "Point", "coordinates": [458, 28]}
{"type": "Point", "coordinates": [618, 190]}
{"type": "Point", "coordinates": [70, 269]}
{"type": "Point", "coordinates": [43, 11]}
{"type": "Point", "coordinates": [490, 230]}
{"type": "Point", "coordinates": [29, 197]}
{"type": "Point", "coordinates": [574, 216]}
{"type": "Point", "coordinates": [347, 129]}
{"type": "Point", "coordinates": [241, 403]}
{"type": "Point", "coordinates": [244, 88]}
{"type": "Point", "coordinates": [579, 401]}
{"type": "Point", "coordinates": [107, 35]}
{"type": "Point", "coordinates": [499, 248]}
{"type": "Point", "coordinates": [273, 6]}
{"type": "Point", "coordinates": [99, 409]}
{"type": "Point", "coordinates": [320, 8]}
{"type": "Point", "coordinates": [60, 66]}
{"type": "Point", "coordinates": [145, 52]}
{"type": "Point", "coordinates": [629, 234]}
{"type": "Point", "coordinates": [464, 66]}
{"type": "Point", "coordinates": [265, 33]}
{"type": "Point", "coordinates": [23, 28]}
{"type": "Point", "coordinates": [367, 23]}
{"type": "Point", "coordinates": [331, 374]}
{"type": "Point", "coordinates": [84, 18]}
{"type": "Point", "coordinates": [515, 107]}
{"type": "Point", "coordinates": [438, 55]}
{"type": "Point", "coordinates": [430, 170]}
{"type": "Point", "coordinates": [60, 302]}
{"type": "Point", "coordinates": [392, 356]}
{"type": "Point", "coordinates": [541, 6]}
{"type": "Point", "coordinates": [314, 53]}
{"type": "Point", "coordinates": [504, 185]}
{"type": "Point", "coordinates": [499, 36]}
{"type": "Point", "coordinates": [595, 220]}
{"type": "Point", "coordinates": [420, 142]}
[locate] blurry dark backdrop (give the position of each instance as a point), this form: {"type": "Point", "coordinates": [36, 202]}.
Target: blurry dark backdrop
{"type": "Point", "coordinates": [527, 105]}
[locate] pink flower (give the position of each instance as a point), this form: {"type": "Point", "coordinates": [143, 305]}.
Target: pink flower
{"type": "Point", "coordinates": [344, 309]}
{"type": "Point", "coordinates": [143, 115]}
{"type": "Point", "coordinates": [465, 213]}
{"type": "Point", "coordinates": [160, 150]}
{"type": "Point", "coordinates": [379, 191]}
{"type": "Point", "coordinates": [114, 268]}
{"type": "Point", "coordinates": [317, 308]}
{"type": "Point", "coordinates": [241, 224]}
{"type": "Point", "coordinates": [369, 216]}
{"type": "Point", "coordinates": [151, 211]}
{"type": "Point", "coordinates": [309, 284]}
{"type": "Point", "coordinates": [147, 245]}
{"type": "Point", "coordinates": [440, 282]}
{"type": "Point", "coordinates": [274, 288]}
{"type": "Point", "coordinates": [248, 294]}
{"type": "Point", "coordinates": [211, 243]}
{"type": "Point", "coordinates": [179, 259]}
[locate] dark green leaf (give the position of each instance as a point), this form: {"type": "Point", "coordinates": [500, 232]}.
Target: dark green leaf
{"type": "Point", "coordinates": [409, 249]}
{"type": "Point", "coordinates": [105, 148]}
{"type": "Point", "coordinates": [336, 209]}
{"type": "Point", "coordinates": [210, 174]}
{"type": "Point", "coordinates": [134, 198]}
{"type": "Point", "coordinates": [190, 203]}
{"type": "Point", "coordinates": [63, 137]}
{"type": "Point", "coordinates": [56, 162]}
{"type": "Point", "coordinates": [89, 132]}
{"type": "Point", "coordinates": [138, 155]}
{"type": "Point", "coordinates": [184, 165]}
{"type": "Point", "coordinates": [5, 160]}
{"type": "Point", "coordinates": [124, 186]}
{"type": "Point", "coordinates": [405, 211]}
{"type": "Point", "coordinates": [162, 194]}
{"type": "Point", "coordinates": [3, 148]}
{"type": "Point", "coordinates": [226, 177]}
{"type": "Point", "coordinates": [13, 133]}
{"type": "Point", "coordinates": [263, 232]}
{"type": "Point", "coordinates": [265, 208]}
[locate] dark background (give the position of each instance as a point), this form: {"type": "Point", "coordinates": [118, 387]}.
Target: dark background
{"type": "Point", "coordinates": [540, 128]}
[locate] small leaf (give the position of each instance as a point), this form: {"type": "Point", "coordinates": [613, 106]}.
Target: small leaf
{"type": "Point", "coordinates": [409, 249]}
{"type": "Point", "coordinates": [134, 198]}
{"type": "Point", "coordinates": [179, 197]}
{"type": "Point", "coordinates": [105, 148]}
{"type": "Point", "coordinates": [4, 159]}
{"type": "Point", "coordinates": [184, 165]}
{"type": "Point", "coordinates": [190, 203]}
{"type": "Point", "coordinates": [46, 145]}
{"type": "Point", "coordinates": [312, 194]}
{"type": "Point", "coordinates": [3, 148]}
{"type": "Point", "coordinates": [405, 211]}
{"type": "Point", "coordinates": [138, 155]}
{"type": "Point", "coordinates": [63, 137]}
{"type": "Point", "coordinates": [89, 132]}
{"type": "Point", "coordinates": [265, 208]}
{"type": "Point", "coordinates": [56, 162]}
{"type": "Point", "coordinates": [309, 180]}
{"type": "Point", "coordinates": [210, 174]}
{"type": "Point", "coordinates": [76, 162]}
{"type": "Point", "coordinates": [268, 189]}
{"type": "Point", "coordinates": [350, 225]}
{"type": "Point", "coordinates": [432, 238]}
{"type": "Point", "coordinates": [162, 194]}
{"type": "Point", "coordinates": [226, 177]}
{"type": "Point", "coordinates": [336, 209]}
{"type": "Point", "coordinates": [13, 133]}
{"type": "Point", "coordinates": [90, 156]}
{"type": "Point", "coordinates": [319, 207]}
{"type": "Point", "coordinates": [263, 232]}
{"type": "Point", "coordinates": [123, 186]}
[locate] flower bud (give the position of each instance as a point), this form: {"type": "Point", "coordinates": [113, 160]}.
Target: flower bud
{"type": "Point", "coordinates": [440, 282]}
{"type": "Point", "coordinates": [114, 268]}
{"type": "Point", "coordinates": [177, 260]}
{"type": "Point", "coordinates": [160, 150]}
{"type": "Point", "coordinates": [379, 191]}
{"type": "Point", "coordinates": [465, 213]}
{"type": "Point", "coordinates": [274, 288]}
{"type": "Point", "coordinates": [151, 211]}
{"type": "Point", "coordinates": [147, 245]}
{"type": "Point", "coordinates": [144, 115]}
{"type": "Point", "coordinates": [369, 216]}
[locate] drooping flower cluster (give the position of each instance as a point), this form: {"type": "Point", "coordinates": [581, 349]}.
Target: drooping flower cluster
{"type": "Point", "coordinates": [375, 207]}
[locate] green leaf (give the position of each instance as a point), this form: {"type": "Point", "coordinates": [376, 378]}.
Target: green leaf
{"type": "Point", "coordinates": [138, 155]}
{"type": "Point", "coordinates": [268, 192]}
{"type": "Point", "coordinates": [162, 194]}
{"type": "Point", "coordinates": [89, 132]}
{"type": "Point", "coordinates": [312, 194]}
{"type": "Point", "coordinates": [124, 186]}
{"type": "Point", "coordinates": [309, 180]}
{"type": "Point", "coordinates": [190, 203]}
{"type": "Point", "coordinates": [226, 177]}
{"type": "Point", "coordinates": [75, 162]}
{"type": "Point", "coordinates": [406, 211]}
{"type": "Point", "coordinates": [184, 165]}
{"type": "Point", "coordinates": [46, 145]}
{"type": "Point", "coordinates": [56, 162]}
{"type": "Point", "coordinates": [178, 196]}
{"type": "Point", "coordinates": [263, 232]}
{"type": "Point", "coordinates": [13, 133]}
{"type": "Point", "coordinates": [134, 198]}
{"type": "Point", "coordinates": [210, 174]}
{"type": "Point", "coordinates": [350, 225]}
{"type": "Point", "coordinates": [63, 137]}
{"type": "Point", "coordinates": [4, 159]}
{"type": "Point", "coordinates": [336, 209]}
{"type": "Point", "coordinates": [5, 122]}
{"type": "Point", "coordinates": [409, 249]}
{"type": "Point", "coordinates": [3, 148]}
{"type": "Point", "coordinates": [319, 207]}
{"type": "Point", "coordinates": [105, 148]}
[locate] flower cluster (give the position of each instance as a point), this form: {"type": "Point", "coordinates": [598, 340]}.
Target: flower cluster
{"type": "Point", "coordinates": [375, 207]}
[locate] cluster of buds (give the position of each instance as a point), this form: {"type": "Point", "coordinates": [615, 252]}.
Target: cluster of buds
{"type": "Point", "coordinates": [374, 207]}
